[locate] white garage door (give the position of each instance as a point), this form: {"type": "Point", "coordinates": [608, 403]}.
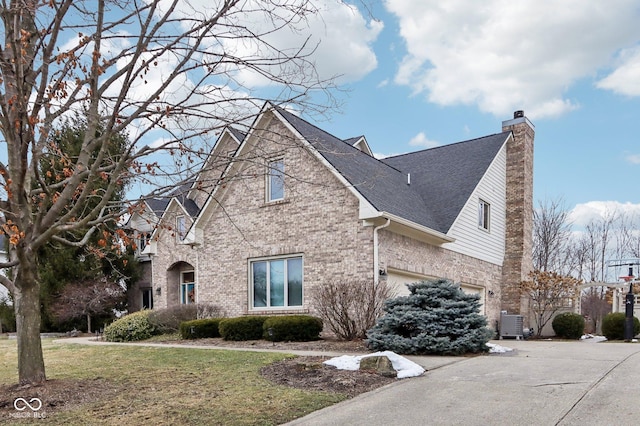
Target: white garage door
{"type": "Point", "coordinates": [400, 279]}
{"type": "Point", "coordinates": [470, 289]}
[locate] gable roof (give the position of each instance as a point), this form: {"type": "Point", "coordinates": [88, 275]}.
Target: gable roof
{"type": "Point", "coordinates": [446, 176]}
{"type": "Point", "coordinates": [442, 178]}
{"type": "Point", "coordinates": [158, 205]}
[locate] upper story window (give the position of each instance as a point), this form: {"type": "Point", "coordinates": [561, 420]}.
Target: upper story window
{"type": "Point", "coordinates": [275, 180]}
{"type": "Point", "coordinates": [484, 214]}
{"type": "Point", "coordinates": [181, 227]}
{"type": "Point", "coordinates": [142, 239]}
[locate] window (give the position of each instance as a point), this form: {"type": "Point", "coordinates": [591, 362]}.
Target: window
{"type": "Point", "coordinates": [276, 282]}
{"type": "Point", "coordinates": [147, 298]}
{"type": "Point", "coordinates": [141, 242]}
{"type": "Point", "coordinates": [187, 288]}
{"type": "Point", "coordinates": [275, 180]}
{"type": "Point", "coordinates": [181, 227]}
{"type": "Point", "coordinates": [483, 214]}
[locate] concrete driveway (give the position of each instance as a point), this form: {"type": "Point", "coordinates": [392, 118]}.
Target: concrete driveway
{"type": "Point", "coordinates": [539, 383]}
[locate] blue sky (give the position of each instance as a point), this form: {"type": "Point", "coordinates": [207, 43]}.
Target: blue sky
{"type": "Point", "coordinates": [442, 72]}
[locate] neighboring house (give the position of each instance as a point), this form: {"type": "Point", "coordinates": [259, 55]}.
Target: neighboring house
{"type": "Point", "coordinates": [297, 207]}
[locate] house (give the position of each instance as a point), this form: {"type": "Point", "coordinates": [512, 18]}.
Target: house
{"type": "Point", "coordinates": [287, 207]}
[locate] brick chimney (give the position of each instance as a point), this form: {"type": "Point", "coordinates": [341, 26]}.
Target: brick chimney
{"type": "Point", "coordinates": [518, 261]}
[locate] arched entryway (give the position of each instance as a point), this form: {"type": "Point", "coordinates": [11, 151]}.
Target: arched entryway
{"type": "Point", "coordinates": [181, 284]}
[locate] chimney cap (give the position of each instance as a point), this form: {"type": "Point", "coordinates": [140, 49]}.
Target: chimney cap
{"type": "Point", "coordinates": [518, 114]}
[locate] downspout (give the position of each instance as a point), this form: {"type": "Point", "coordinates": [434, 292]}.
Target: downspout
{"type": "Point", "coordinates": [376, 261]}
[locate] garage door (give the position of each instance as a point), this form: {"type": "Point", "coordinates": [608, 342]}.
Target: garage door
{"type": "Point", "coordinates": [470, 289]}
{"type": "Point", "coordinates": [400, 279]}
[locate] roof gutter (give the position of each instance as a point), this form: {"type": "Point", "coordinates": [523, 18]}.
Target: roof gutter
{"type": "Point", "coordinates": [409, 224]}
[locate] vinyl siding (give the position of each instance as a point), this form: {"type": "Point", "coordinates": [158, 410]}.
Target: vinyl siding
{"type": "Point", "coordinates": [472, 240]}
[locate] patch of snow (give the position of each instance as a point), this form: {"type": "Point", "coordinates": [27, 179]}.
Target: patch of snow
{"type": "Point", "coordinates": [592, 338]}
{"type": "Point", "coordinates": [404, 367]}
{"type": "Point", "coordinates": [497, 349]}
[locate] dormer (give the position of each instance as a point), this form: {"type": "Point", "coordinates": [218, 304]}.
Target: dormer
{"type": "Point", "coordinates": [360, 142]}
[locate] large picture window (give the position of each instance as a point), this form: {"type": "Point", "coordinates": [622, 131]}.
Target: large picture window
{"type": "Point", "coordinates": [275, 180]}
{"type": "Point", "coordinates": [276, 282]}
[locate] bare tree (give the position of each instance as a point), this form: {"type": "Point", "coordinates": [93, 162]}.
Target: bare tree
{"type": "Point", "coordinates": [551, 233]}
{"type": "Point", "coordinates": [167, 72]}
{"type": "Point", "coordinates": [87, 298]}
{"type": "Point", "coordinates": [596, 303]}
{"type": "Point", "coordinates": [351, 308]}
{"type": "Point", "coordinates": [548, 293]}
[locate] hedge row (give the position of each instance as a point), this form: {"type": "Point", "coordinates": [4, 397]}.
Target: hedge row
{"type": "Point", "coordinates": [200, 329]}
{"type": "Point", "coordinates": [299, 328]}
{"type": "Point", "coordinates": [292, 328]}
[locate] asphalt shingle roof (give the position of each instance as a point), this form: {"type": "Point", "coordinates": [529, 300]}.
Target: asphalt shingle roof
{"type": "Point", "coordinates": [442, 178]}
{"type": "Point", "coordinates": [445, 176]}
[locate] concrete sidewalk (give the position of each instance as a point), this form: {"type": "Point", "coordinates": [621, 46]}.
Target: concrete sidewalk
{"type": "Point", "coordinates": [540, 383]}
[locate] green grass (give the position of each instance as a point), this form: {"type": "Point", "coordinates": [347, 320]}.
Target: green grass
{"type": "Point", "coordinates": [168, 386]}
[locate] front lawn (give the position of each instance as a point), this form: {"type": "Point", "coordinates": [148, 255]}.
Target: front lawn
{"type": "Point", "coordinates": [158, 386]}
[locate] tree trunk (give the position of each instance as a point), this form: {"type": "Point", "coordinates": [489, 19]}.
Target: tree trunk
{"type": "Point", "coordinates": [89, 323]}
{"type": "Point", "coordinates": [27, 308]}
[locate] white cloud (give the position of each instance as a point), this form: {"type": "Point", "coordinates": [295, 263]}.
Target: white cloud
{"type": "Point", "coordinates": [633, 158]}
{"type": "Point", "coordinates": [336, 41]}
{"type": "Point", "coordinates": [502, 55]}
{"type": "Point", "coordinates": [421, 140]}
{"type": "Point", "coordinates": [583, 214]}
{"type": "Point", "coordinates": [625, 80]}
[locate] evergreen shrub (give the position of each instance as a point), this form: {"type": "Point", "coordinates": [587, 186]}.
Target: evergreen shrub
{"type": "Point", "coordinates": [242, 328]}
{"type": "Point", "coordinates": [292, 328]}
{"type": "Point", "coordinates": [613, 326]}
{"type": "Point", "coordinates": [568, 325]}
{"type": "Point", "coordinates": [200, 328]}
{"type": "Point", "coordinates": [130, 328]}
{"type": "Point", "coordinates": [436, 318]}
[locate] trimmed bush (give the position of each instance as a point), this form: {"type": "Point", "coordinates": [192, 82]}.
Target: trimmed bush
{"type": "Point", "coordinates": [613, 326]}
{"type": "Point", "coordinates": [200, 329]}
{"type": "Point", "coordinates": [568, 325]}
{"type": "Point", "coordinates": [292, 328]}
{"type": "Point", "coordinates": [130, 328]}
{"type": "Point", "coordinates": [242, 328]}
